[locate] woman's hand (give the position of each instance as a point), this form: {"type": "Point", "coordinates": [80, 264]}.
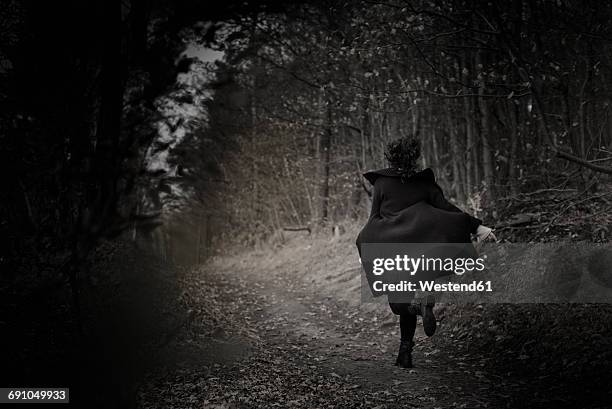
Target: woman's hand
{"type": "Point", "coordinates": [483, 233]}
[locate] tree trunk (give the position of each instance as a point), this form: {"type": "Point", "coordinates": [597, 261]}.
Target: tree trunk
{"type": "Point", "coordinates": [469, 141]}
{"type": "Point", "coordinates": [514, 142]}
{"type": "Point", "coordinates": [326, 147]}
{"type": "Point", "coordinates": [454, 148]}
{"type": "Point", "coordinates": [487, 163]}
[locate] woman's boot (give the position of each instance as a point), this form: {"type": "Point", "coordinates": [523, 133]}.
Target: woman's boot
{"type": "Point", "coordinates": [404, 357]}
{"type": "Point", "coordinates": [429, 319]}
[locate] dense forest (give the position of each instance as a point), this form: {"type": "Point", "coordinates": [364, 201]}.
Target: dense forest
{"type": "Point", "coordinates": [505, 100]}
{"type": "Point", "coordinates": [175, 131]}
{"type": "Point", "coordinates": [124, 124]}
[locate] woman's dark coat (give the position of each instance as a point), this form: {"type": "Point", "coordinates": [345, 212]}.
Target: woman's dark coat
{"type": "Point", "coordinates": [412, 212]}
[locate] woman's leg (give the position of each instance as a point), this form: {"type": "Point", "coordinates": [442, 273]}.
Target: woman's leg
{"type": "Point", "coordinates": [407, 327]}
{"type": "Point", "coordinates": [408, 321]}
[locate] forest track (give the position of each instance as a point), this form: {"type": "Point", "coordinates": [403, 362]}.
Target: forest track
{"type": "Point", "coordinates": [281, 342]}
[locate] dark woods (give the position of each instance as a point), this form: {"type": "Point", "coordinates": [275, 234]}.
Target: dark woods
{"type": "Point", "coordinates": [78, 91]}
{"type": "Point", "coordinates": [506, 99]}
{"type": "Point", "coordinates": [117, 143]}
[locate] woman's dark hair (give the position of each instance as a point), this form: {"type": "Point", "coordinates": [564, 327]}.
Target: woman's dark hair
{"type": "Point", "coordinates": [402, 154]}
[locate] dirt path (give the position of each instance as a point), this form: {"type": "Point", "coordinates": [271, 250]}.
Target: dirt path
{"type": "Point", "coordinates": [277, 341]}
